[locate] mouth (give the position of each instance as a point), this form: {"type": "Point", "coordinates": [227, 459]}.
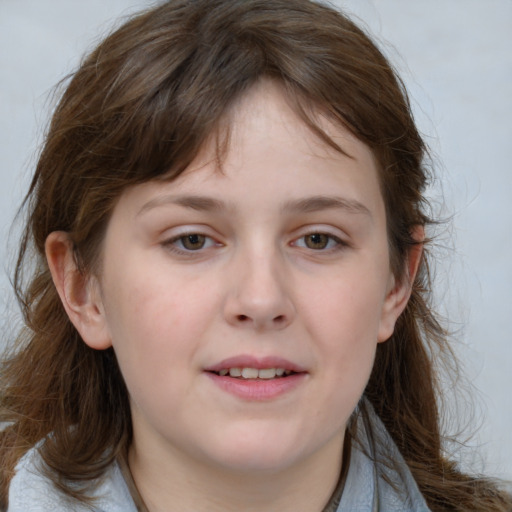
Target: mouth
{"type": "Point", "coordinates": [257, 379]}
{"type": "Point", "coordinates": [248, 373]}
{"type": "Point", "coordinates": [254, 380]}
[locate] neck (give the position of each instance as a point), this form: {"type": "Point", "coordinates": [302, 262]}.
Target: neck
{"type": "Point", "coordinates": [179, 483]}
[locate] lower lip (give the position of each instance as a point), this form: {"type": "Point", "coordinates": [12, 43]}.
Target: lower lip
{"type": "Point", "coordinates": [257, 390]}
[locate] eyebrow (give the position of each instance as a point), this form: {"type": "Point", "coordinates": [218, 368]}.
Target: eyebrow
{"type": "Point", "coordinates": [306, 205]}
{"type": "Point", "coordinates": [319, 203]}
{"type": "Point", "coordinates": [199, 203]}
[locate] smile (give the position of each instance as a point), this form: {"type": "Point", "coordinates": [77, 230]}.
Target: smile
{"type": "Point", "coordinates": [255, 373]}
{"type": "Point", "coordinates": [256, 378]}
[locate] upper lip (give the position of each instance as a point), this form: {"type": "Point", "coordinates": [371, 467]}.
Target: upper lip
{"type": "Point", "coordinates": [260, 363]}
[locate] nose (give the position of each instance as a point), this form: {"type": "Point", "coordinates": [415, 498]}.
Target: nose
{"type": "Point", "coordinates": [259, 294]}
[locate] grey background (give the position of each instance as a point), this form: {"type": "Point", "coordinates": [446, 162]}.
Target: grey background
{"type": "Point", "coordinates": [456, 59]}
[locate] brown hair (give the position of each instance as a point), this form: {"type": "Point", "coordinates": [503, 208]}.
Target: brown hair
{"type": "Point", "coordinates": [139, 108]}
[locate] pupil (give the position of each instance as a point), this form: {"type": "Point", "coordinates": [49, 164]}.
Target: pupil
{"type": "Point", "coordinates": [193, 241]}
{"type": "Point", "coordinates": [317, 241]}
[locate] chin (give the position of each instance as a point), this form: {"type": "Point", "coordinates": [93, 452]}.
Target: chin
{"type": "Point", "coordinates": [258, 451]}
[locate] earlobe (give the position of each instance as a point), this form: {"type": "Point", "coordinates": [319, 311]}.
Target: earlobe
{"type": "Point", "coordinates": [400, 290]}
{"type": "Point", "coordinates": [79, 292]}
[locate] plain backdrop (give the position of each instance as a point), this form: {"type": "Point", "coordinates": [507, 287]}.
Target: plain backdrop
{"type": "Point", "coordinates": [456, 59]}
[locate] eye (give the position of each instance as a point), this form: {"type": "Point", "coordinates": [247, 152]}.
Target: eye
{"type": "Point", "coordinates": [318, 241]}
{"type": "Point", "coordinates": [190, 242]}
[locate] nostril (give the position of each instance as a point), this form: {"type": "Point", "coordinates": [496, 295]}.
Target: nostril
{"type": "Point", "coordinates": [279, 320]}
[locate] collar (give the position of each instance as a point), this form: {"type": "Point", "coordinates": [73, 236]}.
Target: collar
{"type": "Point", "coordinates": [374, 476]}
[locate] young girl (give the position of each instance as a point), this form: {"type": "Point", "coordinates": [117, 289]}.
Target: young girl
{"type": "Point", "coordinates": [225, 282]}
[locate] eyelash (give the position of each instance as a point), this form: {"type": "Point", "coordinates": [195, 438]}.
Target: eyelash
{"type": "Point", "coordinates": [332, 242]}
{"type": "Point", "coordinates": [172, 243]}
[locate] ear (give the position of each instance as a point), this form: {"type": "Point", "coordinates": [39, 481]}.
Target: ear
{"type": "Point", "coordinates": [79, 292]}
{"type": "Point", "coordinates": [400, 291]}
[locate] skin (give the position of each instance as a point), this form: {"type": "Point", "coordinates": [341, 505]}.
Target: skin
{"type": "Point", "coordinates": [280, 274]}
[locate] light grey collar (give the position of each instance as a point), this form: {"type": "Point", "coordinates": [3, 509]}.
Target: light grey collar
{"type": "Point", "coordinates": [378, 478]}
{"type": "Point", "coordinates": [375, 464]}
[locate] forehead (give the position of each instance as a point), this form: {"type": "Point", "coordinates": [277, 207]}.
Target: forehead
{"type": "Point", "coordinates": [266, 116]}
{"type": "Point", "coordinates": [264, 150]}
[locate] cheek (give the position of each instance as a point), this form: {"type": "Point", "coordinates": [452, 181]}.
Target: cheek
{"type": "Point", "coordinates": [344, 321]}
{"type": "Point", "coordinates": [346, 311]}
{"type": "Point", "coordinates": [156, 331]}
{"type": "Point", "coordinates": [156, 322]}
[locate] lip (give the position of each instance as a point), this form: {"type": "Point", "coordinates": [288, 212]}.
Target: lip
{"type": "Point", "coordinates": [246, 361]}
{"type": "Point", "coordinates": [256, 390]}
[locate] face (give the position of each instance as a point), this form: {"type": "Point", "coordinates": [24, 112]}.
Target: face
{"type": "Point", "coordinates": [245, 304]}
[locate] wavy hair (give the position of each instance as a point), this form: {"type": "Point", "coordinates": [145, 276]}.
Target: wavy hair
{"type": "Point", "coordinates": [139, 108]}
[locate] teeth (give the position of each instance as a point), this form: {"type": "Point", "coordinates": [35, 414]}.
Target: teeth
{"type": "Point", "coordinates": [267, 373]}
{"type": "Point", "coordinates": [235, 372]}
{"type": "Point", "coordinates": [254, 373]}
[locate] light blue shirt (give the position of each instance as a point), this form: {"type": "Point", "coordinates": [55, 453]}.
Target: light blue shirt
{"type": "Point", "coordinates": [366, 486]}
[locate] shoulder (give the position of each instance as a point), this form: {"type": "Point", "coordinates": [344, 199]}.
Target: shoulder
{"type": "Point", "coordinates": [31, 491]}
